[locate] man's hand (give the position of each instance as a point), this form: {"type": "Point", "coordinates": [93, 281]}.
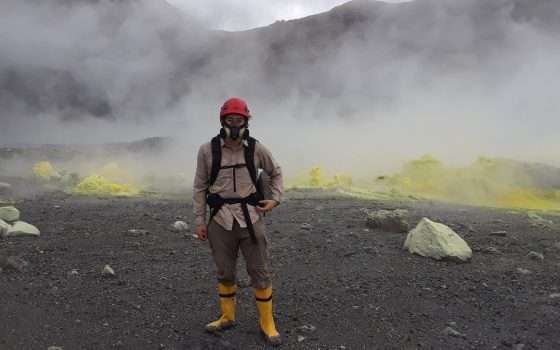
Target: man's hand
{"type": "Point", "coordinates": [202, 232]}
{"type": "Point", "coordinates": [266, 205]}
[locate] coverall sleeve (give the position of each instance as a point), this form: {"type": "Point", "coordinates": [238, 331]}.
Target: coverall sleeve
{"type": "Point", "coordinates": [272, 168]}
{"type": "Point", "coordinates": [200, 187]}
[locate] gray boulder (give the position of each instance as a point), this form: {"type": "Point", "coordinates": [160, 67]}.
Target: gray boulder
{"type": "Point", "coordinates": [538, 221]}
{"type": "Point", "coordinates": [9, 214]}
{"type": "Point", "coordinates": [388, 220]}
{"type": "Point", "coordinates": [20, 228]}
{"type": "Point", "coordinates": [437, 241]}
{"type": "Point", "coordinates": [535, 256]}
{"type": "Point", "coordinates": [4, 187]}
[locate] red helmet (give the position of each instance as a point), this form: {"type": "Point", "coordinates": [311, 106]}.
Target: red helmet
{"type": "Point", "coordinates": [235, 105]}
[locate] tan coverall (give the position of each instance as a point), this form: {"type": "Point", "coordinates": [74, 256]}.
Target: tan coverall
{"type": "Point", "coordinates": [227, 233]}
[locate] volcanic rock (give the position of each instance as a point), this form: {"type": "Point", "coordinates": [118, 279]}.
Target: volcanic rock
{"type": "Point", "coordinates": [20, 228]}
{"type": "Point", "coordinates": [4, 187]}
{"type": "Point", "coordinates": [179, 226]}
{"type": "Point", "coordinates": [388, 220]}
{"type": "Point", "coordinates": [9, 214]}
{"type": "Point", "coordinates": [438, 241]}
{"type": "Point", "coordinates": [108, 271]}
{"type": "Point", "coordinates": [536, 256]}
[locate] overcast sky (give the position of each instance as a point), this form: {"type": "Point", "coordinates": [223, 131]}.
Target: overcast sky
{"type": "Point", "coordinates": [246, 14]}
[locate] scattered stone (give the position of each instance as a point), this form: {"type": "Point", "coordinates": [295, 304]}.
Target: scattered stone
{"type": "Point", "coordinates": [9, 214]}
{"type": "Point", "coordinates": [523, 271]}
{"type": "Point", "coordinates": [179, 226]}
{"type": "Point", "coordinates": [388, 220]}
{"type": "Point", "coordinates": [491, 250]}
{"type": "Point", "coordinates": [437, 241]}
{"type": "Point", "coordinates": [519, 346]}
{"type": "Point", "coordinates": [557, 245]}
{"type": "Point", "coordinates": [498, 233]}
{"type": "Point", "coordinates": [535, 256]}
{"type": "Point", "coordinates": [306, 226]}
{"type": "Point", "coordinates": [300, 338]}
{"type": "Point", "coordinates": [453, 333]}
{"type": "Point", "coordinates": [537, 221]}
{"type": "Point", "coordinates": [55, 348]}
{"type": "Point", "coordinates": [108, 271]}
{"type": "Point", "coordinates": [307, 328]}
{"type": "Point", "coordinates": [20, 228]}
{"type": "Point", "coordinates": [74, 272]}
{"type": "Point", "coordinates": [13, 263]}
{"type": "Point", "coordinates": [554, 296]}
{"type": "Point", "coordinates": [138, 232]}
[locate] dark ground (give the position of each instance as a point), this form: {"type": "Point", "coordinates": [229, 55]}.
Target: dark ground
{"type": "Point", "coordinates": [356, 286]}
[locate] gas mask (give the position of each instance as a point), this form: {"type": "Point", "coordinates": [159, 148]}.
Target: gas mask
{"type": "Point", "coordinates": [234, 132]}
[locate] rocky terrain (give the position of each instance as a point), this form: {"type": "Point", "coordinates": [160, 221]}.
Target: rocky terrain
{"type": "Point", "coordinates": [339, 284]}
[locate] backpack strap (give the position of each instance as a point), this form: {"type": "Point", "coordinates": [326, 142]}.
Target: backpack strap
{"type": "Point", "coordinates": [250, 159]}
{"type": "Point", "coordinates": [216, 159]}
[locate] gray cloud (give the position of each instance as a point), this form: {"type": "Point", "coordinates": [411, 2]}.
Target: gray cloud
{"type": "Point", "coordinates": [242, 15]}
{"type": "Point", "coordinates": [368, 86]}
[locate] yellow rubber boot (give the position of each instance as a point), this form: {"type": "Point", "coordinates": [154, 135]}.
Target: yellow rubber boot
{"type": "Point", "coordinates": [266, 320]}
{"type": "Point", "coordinates": [227, 306]}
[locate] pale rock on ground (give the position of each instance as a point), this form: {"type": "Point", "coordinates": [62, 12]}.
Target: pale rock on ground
{"type": "Point", "coordinates": [438, 241]}
{"type": "Point", "coordinates": [179, 226]}
{"type": "Point", "coordinates": [20, 228]}
{"type": "Point", "coordinates": [108, 271]}
{"type": "Point", "coordinates": [9, 214]}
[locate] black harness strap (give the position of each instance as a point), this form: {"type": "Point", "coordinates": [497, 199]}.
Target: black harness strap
{"type": "Point", "coordinates": [216, 159]}
{"type": "Point", "coordinates": [264, 300]}
{"type": "Point", "coordinates": [231, 295]}
{"type": "Point", "coordinates": [250, 159]}
{"type": "Point", "coordinates": [215, 201]}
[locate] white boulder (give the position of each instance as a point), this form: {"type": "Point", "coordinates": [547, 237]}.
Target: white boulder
{"type": "Point", "coordinates": [437, 241]}
{"type": "Point", "coordinates": [20, 228]}
{"type": "Point", "coordinates": [108, 271]}
{"type": "Point", "coordinates": [9, 214]}
{"type": "Point", "coordinates": [179, 226]}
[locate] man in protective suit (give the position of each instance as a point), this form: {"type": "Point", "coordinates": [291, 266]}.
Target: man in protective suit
{"type": "Point", "coordinates": [227, 180]}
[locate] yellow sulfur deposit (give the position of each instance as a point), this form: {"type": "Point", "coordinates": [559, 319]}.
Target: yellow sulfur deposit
{"type": "Point", "coordinates": [45, 170]}
{"type": "Point", "coordinates": [340, 181]}
{"type": "Point", "coordinates": [98, 184]}
{"type": "Point", "coordinates": [491, 182]}
{"type": "Point", "coordinates": [315, 177]}
{"type": "Point", "coordinates": [486, 181]}
{"type": "Point", "coordinates": [113, 172]}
